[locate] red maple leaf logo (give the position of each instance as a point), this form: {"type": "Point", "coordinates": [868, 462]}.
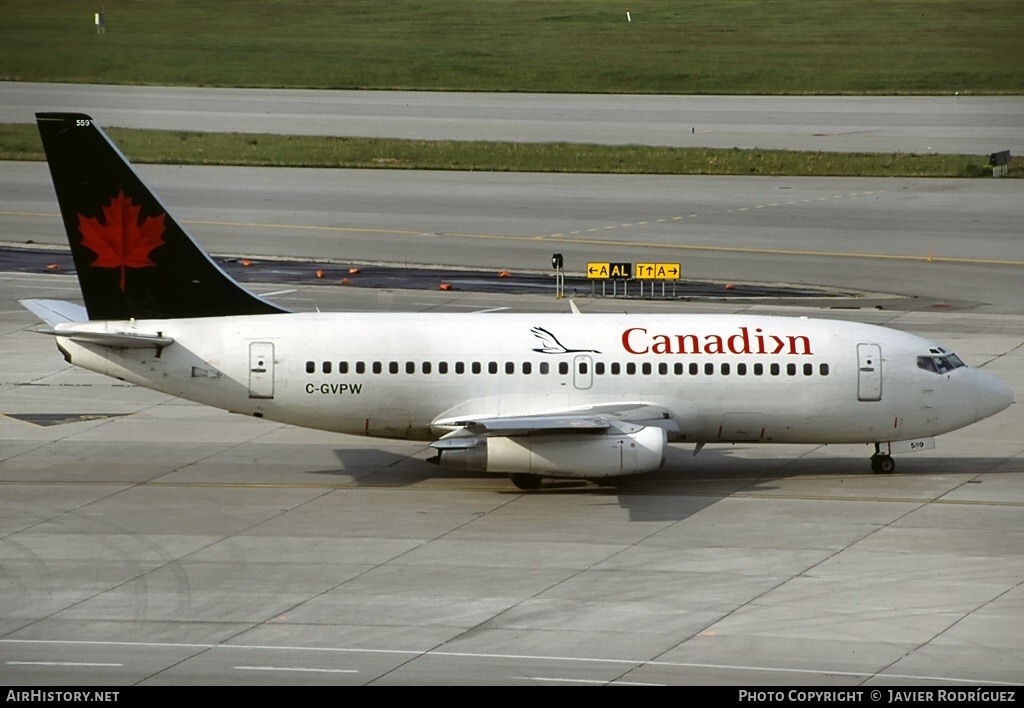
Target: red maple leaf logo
{"type": "Point", "coordinates": [122, 242]}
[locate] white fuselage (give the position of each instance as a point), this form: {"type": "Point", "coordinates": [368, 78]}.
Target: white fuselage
{"type": "Point", "coordinates": [720, 378]}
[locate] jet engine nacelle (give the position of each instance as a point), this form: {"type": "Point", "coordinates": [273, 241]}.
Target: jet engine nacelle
{"type": "Point", "coordinates": [560, 455]}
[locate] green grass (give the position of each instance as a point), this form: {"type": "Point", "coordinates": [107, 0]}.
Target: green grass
{"type": "Point", "coordinates": [671, 46]}
{"type": "Point", "coordinates": [21, 142]}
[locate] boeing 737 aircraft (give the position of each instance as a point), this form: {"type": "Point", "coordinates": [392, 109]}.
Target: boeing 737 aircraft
{"type": "Point", "coordinates": [531, 396]}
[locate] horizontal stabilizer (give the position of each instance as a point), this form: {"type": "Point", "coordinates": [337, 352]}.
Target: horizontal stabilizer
{"type": "Point", "coordinates": [118, 340]}
{"type": "Point", "coordinates": [55, 312]}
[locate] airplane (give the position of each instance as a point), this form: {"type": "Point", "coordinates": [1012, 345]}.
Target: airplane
{"type": "Point", "coordinates": [532, 396]}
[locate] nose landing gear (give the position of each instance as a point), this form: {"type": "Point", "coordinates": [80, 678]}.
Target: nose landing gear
{"type": "Point", "coordinates": [882, 463]}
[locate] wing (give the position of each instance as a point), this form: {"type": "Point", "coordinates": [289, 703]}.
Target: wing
{"type": "Point", "coordinates": [597, 441]}
{"type": "Point", "coordinates": [603, 418]}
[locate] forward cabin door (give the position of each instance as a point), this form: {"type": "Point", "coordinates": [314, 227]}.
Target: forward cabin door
{"type": "Point", "coordinates": [261, 370]}
{"type": "Point", "coordinates": [869, 372]}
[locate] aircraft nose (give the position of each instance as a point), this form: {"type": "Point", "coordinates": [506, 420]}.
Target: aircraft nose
{"type": "Point", "coordinates": [993, 396]}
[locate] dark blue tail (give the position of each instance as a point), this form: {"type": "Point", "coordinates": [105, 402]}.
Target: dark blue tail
{"type": "Point", "coordinates": [133, 259]}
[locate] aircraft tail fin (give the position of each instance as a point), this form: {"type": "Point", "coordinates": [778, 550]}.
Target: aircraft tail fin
{"type": "Point", "coordinates": [134, 260]}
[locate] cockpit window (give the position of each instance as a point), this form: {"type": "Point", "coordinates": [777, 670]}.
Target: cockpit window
{"type": "Point", "coordinates": [940, 364]}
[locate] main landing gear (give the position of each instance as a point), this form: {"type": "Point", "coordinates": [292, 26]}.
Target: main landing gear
{"type": "Point", "coordinates": [882, 463]}
{"type": "Point", "coordinates": [525, 481]}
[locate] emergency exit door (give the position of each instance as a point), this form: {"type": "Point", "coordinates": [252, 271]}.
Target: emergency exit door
{"type": "Point", "coordinates": [583, 372]}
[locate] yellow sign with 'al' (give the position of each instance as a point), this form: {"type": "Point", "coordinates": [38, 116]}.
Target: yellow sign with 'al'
{"type": "Point", "coordinates": [603, 271]}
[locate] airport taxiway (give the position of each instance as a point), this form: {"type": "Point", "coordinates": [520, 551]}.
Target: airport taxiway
{"type": "Point", "coordinates": [973, 125]}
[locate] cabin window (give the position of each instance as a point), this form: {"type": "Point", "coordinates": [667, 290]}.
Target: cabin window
{"type": "Point", "coordinates": [678, 368]}
{"type": "Point", "coordinates": [646, 368]}
{"type": "Point", "coordinates": [808, 369]}
{"type": "Point", "coordinates": [393, 367]}
{"type": "Point", "coordinates": [709, 369]}
{"type": "Point", "coordinates": [527, 367]}
{"type": "Point", "coordinates": [791, 369]}
{"type": "Point", "coordinates": [741, 369]}
{"type": "Point", "coordinates": [662, 368]}
{"type": "Point", "coordinates": [758, 369]}
{"type": "Point", "coordinates": [510, 368]}
{"type": "Point", "coordinates": [360, 367]}
{"type": "Point", "coordinates": [823, 369]}
{"type": "Point", "coordinates": [442, 367]}
{"type": "Point", "coordinates": [425, 367]}
{"type": "Point", "coordinates": [616, 369]}
{"type": "Point", "coordinates": [583, 367]}
{"type": "Point", "coordinates": [460, 367]}
{"type": "Point", "coordinates": [377, 367]}
{"type": "Point", "coordinates": [774, 369]}
{"type": "Point", "coordinates": [342, 367]}
{"type": "Point", "coordinates": [326, 366]}
{"type": "Point", "coordinates": [694, 369]}
{"type": "Point", "coordinates": [599, 368]}
{"type": "Point", "coordinates": [410, 367]}
{"type": "Point", "coordinates": [631, 369]}
{"type": "Point", "coordinates": [476, 367]}
{"type": "Point", "coordinates": [310, 367]}
{"type": "Point", "coordinates": [563, 368]}
{"type": "Point", "coordinates": [492, 367]}
{"type": "Point", "coordinates": [725, 369]}
{"type": "Point", "coordinates": [544, 367]}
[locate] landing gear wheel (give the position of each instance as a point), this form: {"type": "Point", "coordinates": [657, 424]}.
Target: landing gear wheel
{"type": "Point", "coordinates": [882, 464]}
{"type": "Point", "coordinates": [525, 481]}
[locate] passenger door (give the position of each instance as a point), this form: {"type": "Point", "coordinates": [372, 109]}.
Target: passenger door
{"type": "Point", "coordinates": [261, 370]}
{"type": "Point", "coordinates": [869, 372]}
